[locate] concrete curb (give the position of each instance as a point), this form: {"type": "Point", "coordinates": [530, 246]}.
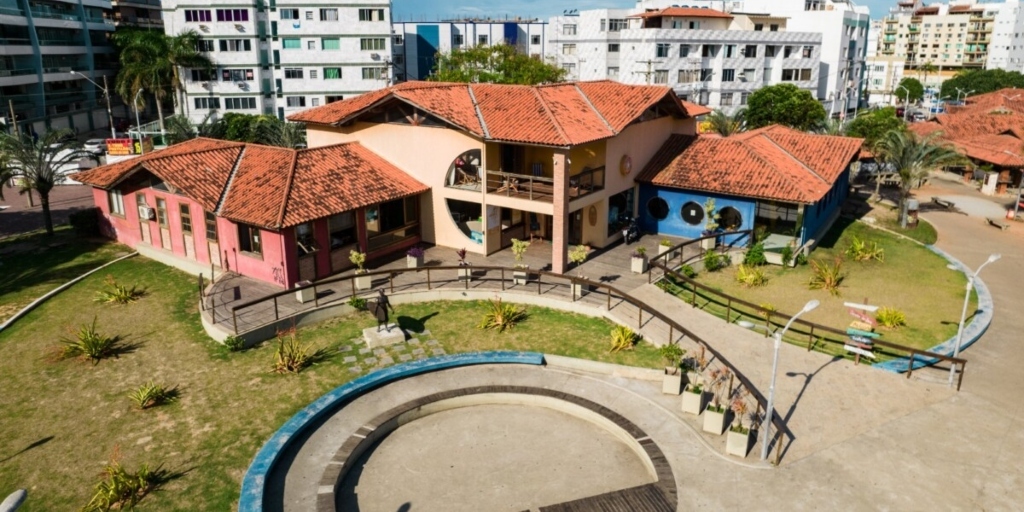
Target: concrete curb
{"type": "Point", "coordinates": [36, 303]}
{"type": "Point", "coordinates": [574, 365]}
{"type": "Point", "coordinates": [251, 499]}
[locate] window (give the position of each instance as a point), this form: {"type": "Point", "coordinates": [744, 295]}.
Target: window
{"type": "Point", "coordinates": [207, 103]}
{"type": "Point", "coordinates": [328, 15]}
{"type": "Point", "coordinates": [311, 45]}
{"type": "Point", "coordinates": [372, 43]}
{"type": "Point", "coordinates": [770, 51]}
{"type": "Point", "coordinates": [332, 99]}
{"type": "Point", "coordinates": [236, 45]}
{"type": "Point", "coordinates": [613, 72]}
{"type": "Point", "coordinates": [391, 222]}
{"type": "Point", "coordinates": [197, 16]}
{"type": "Point", "coordinates": [604, 23]}
{"type": "Point", "coordinates": [613, 48]}
{"type": "Point", "coordinates": [249, 239]}
{"type": "Point", "coordinates": [332, 74]}
{"type": "Point", "coordinates": [705, 74]}
{"type": "Point", "coordinates": [569, 67]}
{"type": "Point", "coordinates": [688, 76]}
{"type": "Point", "coordinates": [661, 50]}
{"type": "Point", "coordinates": [568, 30]}
{"type": "Point", "coordinates": [805, 74]}
{"type": "Point", "coordinates": [457, 40]}
{"type": "Point", "coordinates": [309, 15]}
{"type": "Point", "coordinates": [371, 14]}
{"type": "Point", "coordinates": [398, 40]}
{"type": "Point", "coordinates": [709, 50]}
{"type": "Point", "coordinates": [657, 208]}
{"type": "Point", "coordinates": [237, 75]}
{"type": "Point", "coordinates": [290, 73]}
{"type": "Point", "coordinates": [568, 49]}
{"type": "Point", "coordinates": [161, 212]}
{"type": "Point", "coordinates": [786, 51]}
{"type": "Point", "coordinates": [330, 43]}
{"type": "Point", "coordinates": [728, 75]}
{"type": "Point", "coordinates": [789, 75]}
{"type": "Point", "coordinates": [758, 27]}
{"type": "Point", "coordinates": [750, 51]}
{"type": "Point", "coordinates": [115, 200]}
{"type": "Point", "coordinates": [202, 75]}
{"type": "Point", "coordinates": [730, 51]}
{"type": "Point", "coordinates": [726, 99]}
{"type": "Point", "coordinates": [291, 43]}
{"type": "Point", "coordinates": [694, 25]}
{"type": "Point", "coordinates": [289, 14]}
{"type": "Point", "coordinates": [684, 50]}
{"type": "Point", "coordinates": [211, 226]}
{"type": "Point", "coordinates": [343, 229]}
{"type": "Point", "coordinates": [617, 25]}
{"type": "Point", "coordinates": [232, 14]}
{"type": "Point", "coordinates": [296, 101]}
{"type": "Point", "coordinates": [730, 219]}
{"type": "Point", "coordinates": [373, 73]}
{"type": "Point", "coordinates": [305, 243]}
{"type": "Point", "coordinates": [313, 74]}
{"type": "Point", "coordinates": [749, 74]}
{"type": "Point", "coordinates": [186, 218]}
{"type": "Point", "coordinates": [808, 52]}
{"type": "Point", "coordinates": [692, 213]}
{"type": "Point", "coordinates": [534, 39]}
{"type": "Point", "coordinates": [481, 40]}
{"type": "Point", "coordinates": [744, 97]}
{"type": "Point", "coordinates": [204, 45]}
{"type": "Point", "coordinates": [240, 103]}
{"type": "Point", "coordinates": [661, 76]}
{"type": "Point", "coordinates": [773, 27]}
{"type": "Point", "coordinates": [316, 102]}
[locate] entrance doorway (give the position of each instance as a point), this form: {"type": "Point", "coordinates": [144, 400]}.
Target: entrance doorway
{"type": "Point", "coordinates": [576, 227]}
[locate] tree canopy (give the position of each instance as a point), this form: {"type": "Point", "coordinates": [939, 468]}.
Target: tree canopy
{"type": "Point", "coordinates": [982, 81]}
{"type": "Point", "coordinates": [496, 64]}
{"type": "Point", "coordinates": [784, 104]}
{"type": "Point", "coordinates": [724, 124]}
{"type": "Point", "coordinates": [259, 129]}
{"type": "Point", "coordinates": [872, 126]}
{"type": "Point", "coordinates": [913, 158]}
{"type": "Point", "coordinates": [912, 85]}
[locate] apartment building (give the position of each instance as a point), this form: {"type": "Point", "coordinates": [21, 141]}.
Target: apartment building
{"type": "Point", "coordinates": [883, 74]}
{"type": "Point", "coordinates": [283, 57]}
{"type": "Point", "coordinates": [416, 44]}
{"type": "Point", "coordinates": [43, 42]}
{"type": "Point", "coordinates": [138, 13]}
{"type": "Point", "coordinates": [707, 56]}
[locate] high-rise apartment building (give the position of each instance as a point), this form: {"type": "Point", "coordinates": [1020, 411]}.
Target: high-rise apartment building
{"type": "Point", "coordinates": [281, 57]}
{"type": "Point", "coordinates": [707, 56]}
{"type": "Point", "coordinates": [41, 44]}
{"type": "Point", "coordinates": [138, 13]}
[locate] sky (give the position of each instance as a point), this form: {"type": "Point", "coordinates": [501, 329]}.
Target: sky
{"type": "Point", "coordinates": [432, 10]}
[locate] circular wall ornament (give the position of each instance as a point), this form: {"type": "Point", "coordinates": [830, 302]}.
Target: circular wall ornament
{"type": "Point", "coordinates": [625, 165]}
{"type": "Point", "coordinates": [592, 215]}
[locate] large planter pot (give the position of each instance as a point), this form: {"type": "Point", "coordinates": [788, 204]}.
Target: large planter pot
{"type": "Point", "coordinates": [306, 294]}
{"type": "Point", "coordinates": [520, 276]}
{"type": "Point", "coordinates": [672, 382]}
{"type": "Point", "coordinates": [737, 257]}
{"type": "Point", "coordinates": [662, 249]}
{"type": "Point", "coordinates": [579, 289]}
{"type": "Point", "coordinates": [714, 421]}
{"type": "Point", "coordinates": [363, 282]}
{"type": "Point", "coordinates": [707, 244]}
{"type": "Point", "coordinates": [638, 265]}
{"type": "Point", "coordinates": [693, 403]}
{"type": "Point", "coordinates": [413, 261]}
{"type": "Point", "coordinates": [737, 443]}
{"type": "Point", "coordinates": [465, 272]}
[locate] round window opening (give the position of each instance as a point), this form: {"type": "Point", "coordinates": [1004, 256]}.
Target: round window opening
{"type": "Point", "coordinates": [692, 213]}
{"type": "Point", "coordinates": [730, 218]}
{"type": "Point", "coordinates": [657, 208]}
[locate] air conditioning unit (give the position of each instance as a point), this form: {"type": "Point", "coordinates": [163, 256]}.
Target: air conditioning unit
{"type": "Point", "coordinates": [204, 28]}
{"type": "Point", "coordinates": [146, 213]}
{"type": "Point", "coordinates": [205, 85]}
{"type": "Point", "coordinates": [375, 56]}
{"type": "Point", "coordinates": [239, 27]}
{"type": "Point", "coordinates": [242, 85]}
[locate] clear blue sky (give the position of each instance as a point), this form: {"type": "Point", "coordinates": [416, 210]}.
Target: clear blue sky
{"type": "Point", "coordinates": [431, 10]}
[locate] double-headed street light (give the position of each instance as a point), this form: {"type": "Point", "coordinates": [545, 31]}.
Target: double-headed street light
{"type": "Point", "coordinates": [106, 95]}
{"type": "Point", "coordinates": [135, 103]}
{"type": "Point", "coordinates": [906, 104]}
{"type": "Point", "coordinates": [767, 424]}
{"type": "Point", "coordinates": [963, 316]}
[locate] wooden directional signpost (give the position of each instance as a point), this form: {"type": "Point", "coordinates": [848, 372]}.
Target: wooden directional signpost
{"type": "Point", "coordinates": [861, 331]}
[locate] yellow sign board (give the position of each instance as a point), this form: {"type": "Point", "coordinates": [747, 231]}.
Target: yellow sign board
{"type": "Point", "coordinates": [124, 147]}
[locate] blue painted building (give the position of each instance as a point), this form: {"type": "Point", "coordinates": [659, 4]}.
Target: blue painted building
{"type": "Point", "coordinates": [790, 183]}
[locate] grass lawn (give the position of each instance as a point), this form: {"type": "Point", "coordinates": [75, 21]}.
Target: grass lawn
{"type": "Point", "coordinates": [34, 264]}
{"type": "Point", "coordinates": [912, 279]}
{"type": "Point", "coordinates": [63, 419]}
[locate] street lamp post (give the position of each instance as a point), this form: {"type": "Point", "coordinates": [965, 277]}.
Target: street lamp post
{"type": "Point", "coordinates": [767, 423]}
{"type": "Point", "coordinates": [138, 127]}
{"type": "Point", "coordinates": [906, 103]}
{"type": "Point", "coordinates": [106, 95]}
{"type": "Point", "coordinates": [963, 316]}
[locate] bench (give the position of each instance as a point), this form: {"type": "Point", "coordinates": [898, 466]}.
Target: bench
{"type": "Point", "coordinates": [997, 223]}
{"type": "Point", "coordinates": [949, 205]}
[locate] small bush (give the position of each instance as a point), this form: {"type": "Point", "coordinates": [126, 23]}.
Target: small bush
{"type": "Point", "coordinates": [358, 303]}
{"type": "Point", "coordinates": [825, 276]}
{"type": "Point", "coordinates": [121, 489]}
{"type": "Point", "coordinates": [292, 356]}
{"type": "Point", "coordinates": [672, 354]}
{"type": "Point", "coordinates": [751, 277]}
{"type": "Point", "coordinates": [860, 250]}
{"type": "Point", "coordinates": [623, 338]}
{"type": "Point", "coordinates": [151, 395]}
{"type": "Point", "coordinates": [787, 256]}
{"type": "Point", "coordinates": [88, 343]}
{"type": "Point", "coordinates": [801, 259]}
{"type": "Point", "coordinates": [891, 318]}
{"type": "Point", "coordinates": [502, 316]}
{"type": "Point", "coordinates": [767, 309]}
{"type": "Point", "coordinates": [115, 293]}
{"type": "Point", "coordinates": [755, 256]}
{"type": "Point", "coordinates": [688, 271]}
{"type": "Point", "coordinates": [665, 242]}
{"type": "Point", "coordinates": [234, 343]}
{"type": "Point", "coordinates": [713, 262]}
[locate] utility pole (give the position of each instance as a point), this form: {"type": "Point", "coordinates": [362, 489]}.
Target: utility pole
{"type": "Point", "coordinates": [110, 115]}
{"type": "Point", "coordinates": [650, 70]}
{"type": "Point", "coordinates": [14, 119]}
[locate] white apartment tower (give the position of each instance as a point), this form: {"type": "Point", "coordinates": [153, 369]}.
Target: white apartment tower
{"type": "Point", "coordinates": [707, 56]}
{"type": "Point", "coordinates": [279, 57]}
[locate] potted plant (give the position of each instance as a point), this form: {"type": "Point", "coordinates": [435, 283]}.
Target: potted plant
{"type": "Point", "coordinates": [672, 383]}
{"type": "Point", "coordinates": [464, 271]}
{"type": "Point", "coordinates": [738, 440]}
{"type": "Point", "coordinates": [693, 394]}
{"type": "Point", "coordinates": [578, 255]}
{"type": "Point", "coordinates": [638, 262]}
{"type": "Point", "coordinates": [363, 282]}
{"type": "Point", "coordinates": [714, 415]}
{"type": "Point", "coordinates": [710, 226]}
{"type": "Point", "coordinates": [521, 274]}
{"type": "Point", "coordinates": [664, 246]}
{"type": "Point", "coordinates": [414, 257]}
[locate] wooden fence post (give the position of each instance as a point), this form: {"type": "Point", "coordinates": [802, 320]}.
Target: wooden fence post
{"type": "Point", "coordinates": [276, 315]}
{"type": "Point", "coordinates": [810, 338]}
{"type": "Point", "coordinates": [728, 310]}
{"type": "Point", "coordinates": [234, 320]}
{"type": "Point", "coordinates": [502, 278]}
{"type": "Point", "coordinates": [316, 297]}
{"type": "Point", "coordinates": [428, 278]}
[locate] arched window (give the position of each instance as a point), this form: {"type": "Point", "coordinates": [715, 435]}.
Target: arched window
{"type": "Point", "coordinates": [692, 213]}
{"type": "Point", "coordinates": [729, 218]}
{"type": "Point", "coordinates": [465, 171]}
{"type": "Point", "coordinates": [657, 208]}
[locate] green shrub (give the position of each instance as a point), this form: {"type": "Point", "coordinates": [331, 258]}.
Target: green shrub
{"type": "Point", "coordinates": [623, 338]}
{"type": "Point", "coordinates": [860, 250]}
{"type": "Point", "coordinates": [755, 256]}
{"type": "Point", "coordinates": [358, 303]}
{"type": "Point", "coordinates": [121, 489]}
{"type": "Point", "coordinates": [891, 318]}
{"type": "Point", "coordinates": [825, 276]}
{"type": "Point", "coordinates": [672, 354]}
{"type": "Point", "coordinates": [502, 316]}
{"type": "Point", "coordinates": [292, 356]}
{"type": "Point", "coordinates": [787, 255]}
{"type": "Point", "coordinates": [801, 258]}
{"type": "Point", "coordinates": [234, 343]}
{"type": "Point", "coordinates": [688, 271]}
{"type": "Point", "coordinates": [115, 293]}
{"type": "Point", "coordinates": [751, 277]}
{"type": "Point", "coordinates": [88, 343]}
{"type": "Point", "coordinates": [151, 395]}
{"type": "Point", "coordinates": [713, 262]}
{"type": "Point", "coordinates": [85, 222]}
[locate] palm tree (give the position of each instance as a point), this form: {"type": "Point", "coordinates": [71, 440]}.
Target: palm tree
{"type": "Point", "coordinates": [39, 164]}
{"type": "Point", "coordinates": [292, 135]}
{"type": "Point", "coordinates": [724, 124]}
{"type": "Point", "coordinates": [927, 68]}
{"type": "Point", "coordinates": [913, 157]}
{"type": "Point", "coordinates": [180, 128]}
{"type": "Point", "coordinates": [831, 127]}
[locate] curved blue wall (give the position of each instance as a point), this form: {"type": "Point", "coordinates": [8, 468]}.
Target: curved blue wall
{"type": "Point", "coordinates": [673, 225]}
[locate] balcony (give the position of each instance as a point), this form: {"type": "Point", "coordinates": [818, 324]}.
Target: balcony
{"type": "Point", "coordinates": [539, 188]}
{"type": "Point", "coordinates": [11, 11]}
{"type": "Point", "coordinates": [55, 15]}
{"type": "Point", "coordinates": [16, 72]}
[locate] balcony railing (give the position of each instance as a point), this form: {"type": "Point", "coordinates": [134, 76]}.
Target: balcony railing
{"type": "Point", "coordinates": [523, 186]}
{"type": "Point", "coordinates": [12, 11]}
{"type": "Point", "coordinates": [586, 183]}
{"type": "Point", "coordinates": [55, 15]}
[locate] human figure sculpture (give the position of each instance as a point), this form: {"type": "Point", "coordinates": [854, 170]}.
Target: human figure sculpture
{"type": "Point", "coordinates": [380, 310]}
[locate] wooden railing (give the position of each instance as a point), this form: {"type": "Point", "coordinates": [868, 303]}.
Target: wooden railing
{"type": "Point", "coordinates": [586, 183]}
{"type": "Point", "coordinates": [534, 188]}
{"type": "Point", "coordinates": [815, 332]}
{"type": "Point", "coordinates": [433, 277]}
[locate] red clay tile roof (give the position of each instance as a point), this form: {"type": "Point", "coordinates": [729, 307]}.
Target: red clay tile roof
{"type": "Point", "coordinates": [1008, 99]}
{"type": "Point", "coordinates": [562, 114]}
{"type": "Point", "coordinates": [999, 150]}
{"type": "Point", "coordinates": [684, 12]}
{"type": "Point", "coordinates": [990, 136]}
{"type": "Point", "coordinates": [267, 186]}
{"type": "Point", "coordinates": [774, 163]}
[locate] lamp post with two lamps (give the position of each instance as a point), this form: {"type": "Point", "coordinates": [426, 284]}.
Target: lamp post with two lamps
{"type": "Point", "coordinates": [138, 127]}
{"type": "Point", "coordinates": [106, 95]}
{"type": "Point", "coordinates": [963, 316]}
{"type": "Point", "coordinates": [906, 103]}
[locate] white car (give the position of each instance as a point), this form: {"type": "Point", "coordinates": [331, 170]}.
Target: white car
{"type": "Point", "coordinates": [96, 146]}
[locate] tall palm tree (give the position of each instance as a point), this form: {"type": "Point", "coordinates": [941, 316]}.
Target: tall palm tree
{"type": "Point", "coordinates": [181, 128]}
{"type": "Point", "coordinates": [39, 164]}
{"type": "Point", "coordinates": [724, 124]}
{"type": "Point", "coordinates": [913, 157]}
{"type": "Point", "coordinates": [831, 127]}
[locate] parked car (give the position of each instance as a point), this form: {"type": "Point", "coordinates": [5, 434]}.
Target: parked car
{"type": "Point", "coordinates": [900, 111]}
{"type": "Point", "coordinates": [96, 146]}
{"type": "Point", "coordinates": [919, 117]}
